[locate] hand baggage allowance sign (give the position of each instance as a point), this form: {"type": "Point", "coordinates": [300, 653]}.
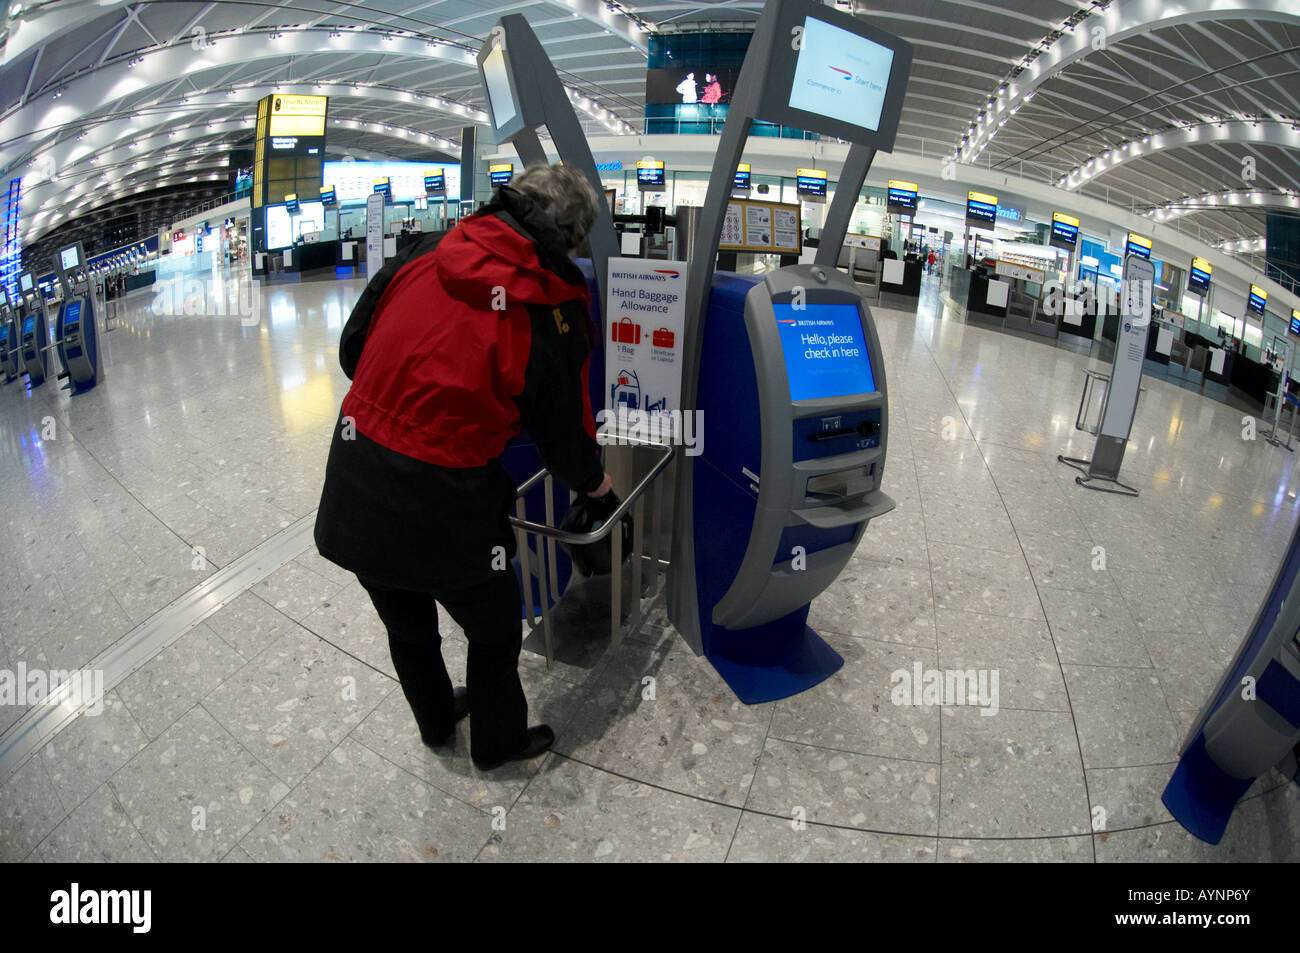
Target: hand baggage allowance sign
{"type": "Point", "coordinates": [645, 316]}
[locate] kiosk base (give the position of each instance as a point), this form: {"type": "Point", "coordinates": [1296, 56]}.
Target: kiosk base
{"type": "Point", "coordinates": [1201, 795]}
{"type": "Point", "coordinates": [773, 661]}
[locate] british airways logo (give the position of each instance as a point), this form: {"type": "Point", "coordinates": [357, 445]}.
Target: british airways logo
{"type": "Point", "coordinates": [847, 74]}
{"type": "Point", "coordinates": [670, 272]}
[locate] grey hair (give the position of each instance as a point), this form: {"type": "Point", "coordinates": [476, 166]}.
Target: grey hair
{"type": "Point", "coordinates": [565, 195]}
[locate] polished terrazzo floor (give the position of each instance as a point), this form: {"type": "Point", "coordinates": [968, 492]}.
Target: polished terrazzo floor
{"type": "Point", "coordinates": [275, 730]}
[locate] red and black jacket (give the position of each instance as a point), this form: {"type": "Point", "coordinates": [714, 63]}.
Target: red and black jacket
{"type": "Point", "coordinates": [452, 350]}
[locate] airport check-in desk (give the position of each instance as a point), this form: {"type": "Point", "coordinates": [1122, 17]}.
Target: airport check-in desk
{"type": "Point", "coordinates": [795, 407]}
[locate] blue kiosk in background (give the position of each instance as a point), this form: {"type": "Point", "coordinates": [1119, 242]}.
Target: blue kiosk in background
{"type": "Point", "coordinates": [10, 362]}
{"type": "Point", "coordinates": [787, 371]}
{"type": "Point", "coordinates": [76, 330]}
{"type": "Point", "coordinates": [33, 331]}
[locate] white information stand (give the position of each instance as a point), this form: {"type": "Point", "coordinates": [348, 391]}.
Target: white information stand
{"type": "Point", "coordinates": [1102, 471]}
{"type": "Point", "coordinates": [374, 233]}
{"type": "Point", "coordinates": [645, 319]}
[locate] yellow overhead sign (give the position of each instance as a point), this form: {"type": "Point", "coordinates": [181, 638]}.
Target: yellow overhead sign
{"type": "Point", "coordinates": [903, 186]}
{"type": "Point", "coordinates": [810, 173]}
{"type": "Point", "coordinates": [1200, 264]}
{"type": "Point", "coordinates": [298, 115]}
{"type": "Point", "coordinates": [982, 197]}
{"type": "Point", "coordinates": [1065, 219]}
{"type": "Point", "coordinates": [649, 163]}
{"type": "Point", "coordinates": [1137, 239]}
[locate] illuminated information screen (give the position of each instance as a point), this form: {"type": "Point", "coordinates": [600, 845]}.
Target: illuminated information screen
{"type": "Point", "coordinates": [825, 351]}
{"type": "Point", "coordinates": [1198, 279]}
{"type": "Point", "coordinates": [840, 75]}
{"type": "Point", "coordinates": [902, 197]}
{"type": "Point", "coordinates": [1065, 231]}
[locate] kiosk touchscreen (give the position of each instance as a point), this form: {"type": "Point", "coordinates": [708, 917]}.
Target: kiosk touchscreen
{"type": "Point", "coordinates": [33, 333]}
{"type": "Point", "coordinates": [75, 329]}
{"type": "Point", "coordinates": [787, 372]}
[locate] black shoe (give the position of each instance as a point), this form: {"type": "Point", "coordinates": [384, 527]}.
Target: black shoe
{"type": "Point", "coordinates": [460, 706]}
{"type": "Point", "coordinates": [540, 739]}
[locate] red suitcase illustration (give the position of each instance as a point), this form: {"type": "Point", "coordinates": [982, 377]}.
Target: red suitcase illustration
{"type": "Point", "coordinates": [626, 332]}
{"type": "Point", "coordinates": [661, 338]}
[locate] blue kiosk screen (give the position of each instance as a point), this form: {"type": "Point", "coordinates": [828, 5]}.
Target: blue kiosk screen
{"type": "Point", "coordinates": [825, 351]}
{"type": "Point", "coordinates": [29, 326]}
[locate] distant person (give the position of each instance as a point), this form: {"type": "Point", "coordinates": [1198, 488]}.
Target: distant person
{"type": "Point", "coordinates": [686, 89]}
{"type": "Point", "coordinates": [454, 347]}
{"type": "Point", "coordinates": [712, 91]}
{"type": "Point", "coordinates": [930, 261]}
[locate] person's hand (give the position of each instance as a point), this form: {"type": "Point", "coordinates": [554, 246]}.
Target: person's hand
{"type": "Point", "coordinates": [606, 485]}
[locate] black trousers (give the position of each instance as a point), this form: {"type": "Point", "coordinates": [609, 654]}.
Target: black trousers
{"type": "Point", "coordinates": [490, 614]}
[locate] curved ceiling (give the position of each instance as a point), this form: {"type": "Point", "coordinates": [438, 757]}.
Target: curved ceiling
{"type": "Point", "coordinates": [1039, 88]}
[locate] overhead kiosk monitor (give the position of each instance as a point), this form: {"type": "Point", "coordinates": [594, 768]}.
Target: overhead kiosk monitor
{"type": "Point", "coordinates": [741, 181]}
{"type": "Point", "coordinates": [901, 199]}
{"type": "Point", "coordinates": [1256, 301]}
{"type": "Point", "coordinates": [1137, 245]}
{"type": "Point", "coordinates": [1065, 232]}
{"type": "Point", "coordinates": [1198, 278]}
{"type": "Point", "coordinates": [810, 183]}
{"type": "Point", "coordinates": [650, 175]}
{"type": "Point", "coordinates": [773, 507]}
{"type": "Point", "coordinates": [981, 210]}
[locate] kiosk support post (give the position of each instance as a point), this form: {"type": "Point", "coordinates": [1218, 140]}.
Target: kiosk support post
{"type": "Point", "coordinates": [538, 99]}
{"type": "Point", "coordinates": [856, 166]}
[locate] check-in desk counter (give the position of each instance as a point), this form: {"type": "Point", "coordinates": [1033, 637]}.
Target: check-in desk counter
{"type": "Point", "coordinates": [986, 297]}
{"type": "Point", "coordinates": [307, 257]}
{"type": "Point", "coordinates": [901, 278]}
{"type": "Point", "coordinates": [1253, 379]}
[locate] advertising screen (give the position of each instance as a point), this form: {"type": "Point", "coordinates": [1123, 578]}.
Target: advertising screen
{"type": "Point", "coordinates": [810, 182]}
{"type": "Point", "coordinates": [902, 197]}
{"type": "Point", "coordinates": [741, 181]}
{"type": "Point", "coordinates": [1065, 231]}
{"type": "Point", "coordinates": [690, 86]}
{"type": "Point", "coordinates": [435, 183]}
{"type": "Point", "coordinates": [1258, 298]}
{"type": "Point", "coordinates": [283, 228]}
{"type": "Point", "coordinates": [981, 210]}
{"type": "Point", "coordinates": [354, 181]}
{"type": "Point", "coordinates": [650, 175]}
{"type": "Point", "coordinates": [1198, 279]}
{"type": "Point", "coordinates": [825, 351]}
{"type": "Point", "coordinates": [840, 75]}
{"type": "Point", "coordinates": [501, 101]}
{"type": "Point", "coordinates": [501, 173]}
{"type": "Point", "coordinates": [1137, 245]}
{"type": "Point", "coordinates": [69, 259]}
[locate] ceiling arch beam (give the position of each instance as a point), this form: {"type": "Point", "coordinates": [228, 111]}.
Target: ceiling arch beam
{"type": "Point", "coordinates": [1252, 201]}
{"type": "Point", "coordinates": [1282, 135]}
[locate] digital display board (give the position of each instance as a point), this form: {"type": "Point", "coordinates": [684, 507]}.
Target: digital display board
{"type": "Point", "coordinates": [501, 99]}
{"type": "Point", "coordinates": [383, 187]}
{"type": "Point", "coordinates": [1295, 322]}
{"type": "Point", "coordinates": [1256, 301]}
{"type": "Point", "coordinates": [981, 210]}
{"type": "Point", "coordinates": [1198, 279]}
{"type": "Point", "coordinates": [810, 182]}
{"type": "Point", "coordinates": [284, 228]}
{"type": "Point", "coordinates": [435, 183]}
{"type": "Point", "coordinates": [1065, 231]}
{"type": "Point", "coordinates": [825, 350]}
{"type": "Point", "coordinates": [25, 283]}
{"type": "Point", "coordinates": [1137, 245]}
{"type": "Point", "coordinates": [298, 115]}
{"type": "Point", "coordinates": [741, 182]}
{"type": "Point", "coordinates": [69, 259]}
{"type": "Point", "coordinates": [328, 197]}
{"type": "Point", "coordinates": [290, 204]}
{"type": "Point", "coordinates": [840, 75]}
{"type": "Point", "coordinates": [354, 181]}
{"type": "Point", "coordinates": [707, 87]}
{"type": "Point", "coordinates": [650, 175]}
{"type": "Point", "coordinates": [501, 173]}
{"type": "Point", "coordinates": [902, 197]}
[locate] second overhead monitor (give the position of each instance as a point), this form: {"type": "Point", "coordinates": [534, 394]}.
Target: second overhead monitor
{"type": "Point", "coordinates": [502, 102]}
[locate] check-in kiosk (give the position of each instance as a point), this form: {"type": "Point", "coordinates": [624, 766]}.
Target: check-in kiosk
{"type": "Point", "coordinates": [33, 331]}
{"type": "Point", "coordinates": [75, 329]}
{"type": "Point", "coordinates": [787, 371]}
{"type": "Point", "coordinates": [10, 363]}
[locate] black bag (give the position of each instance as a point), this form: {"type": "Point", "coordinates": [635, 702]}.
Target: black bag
{"type": "Point", "coordinates": [586, 515]}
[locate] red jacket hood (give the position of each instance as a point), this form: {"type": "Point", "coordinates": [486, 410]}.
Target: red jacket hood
{"type": "Point", "coordinates": [484, 253]}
